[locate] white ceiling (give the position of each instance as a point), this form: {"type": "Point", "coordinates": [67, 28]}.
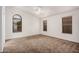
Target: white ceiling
{"type": "Point", "coordinates": [44, 11]}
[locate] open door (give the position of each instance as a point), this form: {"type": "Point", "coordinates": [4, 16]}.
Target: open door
{"type": "Point", "coordinates": [2, 28]}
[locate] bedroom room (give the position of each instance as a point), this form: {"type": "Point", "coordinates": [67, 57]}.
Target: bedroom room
{"type": "Point", "coordinates": [40, 29]}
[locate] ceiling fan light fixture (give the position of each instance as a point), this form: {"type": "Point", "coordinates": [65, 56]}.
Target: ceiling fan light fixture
{"type": "Point", "coordinates": [37, 10]}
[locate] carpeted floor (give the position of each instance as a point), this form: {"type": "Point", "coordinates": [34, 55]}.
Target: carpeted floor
{"type": "Point", "coordinates": [40, 44]}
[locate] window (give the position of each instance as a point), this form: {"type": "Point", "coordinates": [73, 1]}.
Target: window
{"type": "Point", "coordinates": [44, 25]}
{"type": "Point", "coordinates": [17, 23]}
{"type": "Point", "coordinates": [67, 24]}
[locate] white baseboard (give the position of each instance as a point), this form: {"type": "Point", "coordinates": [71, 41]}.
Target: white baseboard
{"type": "Point", "coordinates": [21, 36]}
{"type": "Point", "coordinates": [1, 50]}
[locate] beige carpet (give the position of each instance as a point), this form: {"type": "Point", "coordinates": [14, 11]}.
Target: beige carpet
{"type": "Point", "coordinates": [40, 44]}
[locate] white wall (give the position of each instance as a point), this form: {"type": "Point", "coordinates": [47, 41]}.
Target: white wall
{"type": "Point", "coordinates": [30, 23]}
{"type": "Point", "coordinates": [54, 26]}
{"type": "Point", "coordinates": [2, 28]}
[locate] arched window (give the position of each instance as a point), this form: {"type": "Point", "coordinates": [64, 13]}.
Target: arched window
{"type": "Point", "coordinates": [17, 23]}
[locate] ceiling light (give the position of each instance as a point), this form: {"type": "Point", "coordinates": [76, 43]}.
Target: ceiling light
{"type": "Point", "coordinates": [37, 10]}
